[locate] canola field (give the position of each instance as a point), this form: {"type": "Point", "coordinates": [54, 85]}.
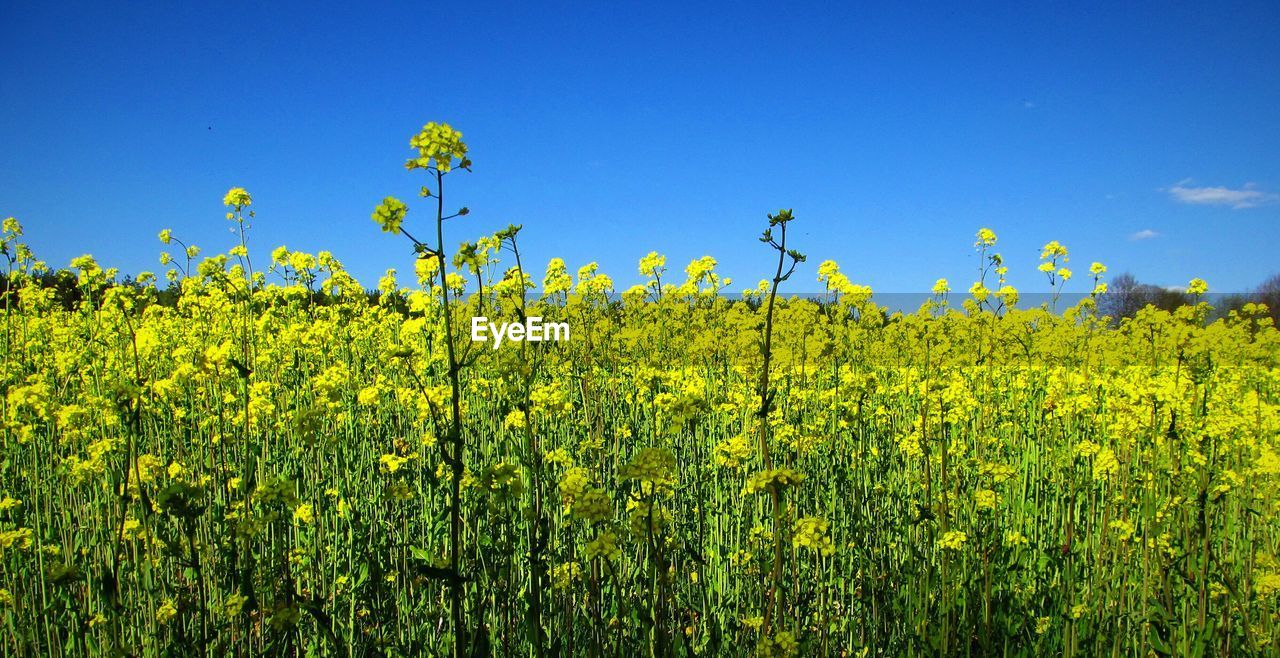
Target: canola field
{"type": "Point", "coordinates": [273, 461]}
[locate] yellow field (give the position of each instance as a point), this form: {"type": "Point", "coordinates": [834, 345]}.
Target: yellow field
{"type": "Point", "coordinates": [274, 462]}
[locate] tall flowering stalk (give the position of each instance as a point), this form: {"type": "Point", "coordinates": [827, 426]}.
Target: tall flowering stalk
{"type": "Point", "coordinates": [515, 284]}
{"type": "Point", "coordinates": [780, 220]}
{"type": "Point", "coordinates": [439, 146]}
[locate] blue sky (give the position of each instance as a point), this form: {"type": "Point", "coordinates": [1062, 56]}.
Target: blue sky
{"type": "Point", "coordinates": [612, 129]}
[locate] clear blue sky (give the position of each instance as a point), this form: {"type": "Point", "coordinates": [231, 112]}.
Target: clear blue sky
{"type": "Point", "coordinates": [613, 129]}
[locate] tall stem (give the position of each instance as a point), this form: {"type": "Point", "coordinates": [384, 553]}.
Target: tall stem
{"type": "Point", "coordinates": [534, 458]}
{"type": "Point", "coordinates": [765, 404]}
{"type": "Point", "coordinates": [455, 438]}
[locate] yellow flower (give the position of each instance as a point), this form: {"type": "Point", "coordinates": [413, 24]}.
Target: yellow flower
{"type": "Point", "coordinates": [514, 420]}
{"type": "Point", "coordinates": [133, 529]}
{"type": "Point", "coordinates": [811, 533]}
{"type": "Point", "coordinates": [772, 479]}
{"type": "Point", "coordinates": [651, 466]}
{"type": "Point", "coordinates": [1008, 295]}
{"type": "Point", "coordinates": [237, 197]}
{"type": "Point", "coordinates": [1105, 464]}
{"type": "Point", "coordinates": [1053, 249]}
{"type": "Point", "coordinates": [557, 279]}
{"type": "Point", "coordinates": [646, 520]}
{"type": "Point", "coordinates": [654, 264]}
{"type": "Point", "coordinates": [782, 645]}
{"type": "Point", "coordinates": [1014, 538]}
{"type": "Point", "coordinates": [167, 610]}
{"type": "Point", "coordinates": [390, 463]}
{"type": "Point", "coordinates": [733, 452]}
{"type": "Point", "coordinates": [559, 457]}
{"type": "Point", "coordinates": [985, 499]}
{"type": "Point", "coordinates": [785, 644]}
{"type": "Point", "coordinates": [390, 214]}
{"type": "Point", "coordinates": [1087, 448]}
{"type": "Point", "coordinates": [605, 545]}
{"type": "Point", "coordinates": [593, 505]}
{"type": "Point", "coordinates": [438, 144]}
{"type": "Point", "coordinates": [574, 483]}
{"type": "Point", "coordinates": [952, 540]}
{"type": "Point", "coordinates": [21, 538]}
{"type": "Point", "coordinates": [1123, 529]}
{"type": "Point", "coordinates": [304, 514]}
{"type": "Point", "coordinates": [1267, 585]}
{"type": "Point", "coordinates": [564, 575]}
{"type": "Point", "coordinates": [301, 262]}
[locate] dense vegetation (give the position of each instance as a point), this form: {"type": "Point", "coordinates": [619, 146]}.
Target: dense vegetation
{"type": "Point", "coordinates": [277, 463]}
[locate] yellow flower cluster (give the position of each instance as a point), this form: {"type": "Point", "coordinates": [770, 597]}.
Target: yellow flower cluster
{"type": "Point", "coordinates": [651, 466]}
{"type": "Point", "coordinates": [159, 418]}
{"type": "Point", "coordinates": [653, 265]}
{"type": "Point", "coordinates": [236, 197]}
{"type": "Point", "coordinates": [563, 576]}
{"type": "Point", "coordinates": [390, 214]}
{"type": "Point", "coordinates": [776, 479]}
{"type": "Point", "coordinates": [438, 145]}
{"type": "Point", "coordinates": [783, 644]}
{"type": "Point", "coordinates": [605, 546]}
{"type": "Point", "coordinates": [733, 452]}
{"type": "Point", "coordinates": [574, 483]}
{"type": "Point", "coordinates": [985, 499]}
{"type": "Point", "coordinates": [812, 533]}
{"type": "Point", "coordinates": [593, 505]}
{"type": "Point", "coordinates": [952, 540]}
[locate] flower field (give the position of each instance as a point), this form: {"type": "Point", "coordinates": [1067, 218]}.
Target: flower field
{"type": "Point", "coordinates": [264, 459]}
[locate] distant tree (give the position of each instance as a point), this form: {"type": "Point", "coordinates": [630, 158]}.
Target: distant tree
{"type": "Point", "coordinates": [1269, 293]}
{"type": "Point", "coordinates": [66, 292]}
{"type": "Point", "coordinates": [1167, 298]}
{"type": "Point", "coordinates": [1125, 296]}
{"type": "Point", "coordinates": [1225, 305]}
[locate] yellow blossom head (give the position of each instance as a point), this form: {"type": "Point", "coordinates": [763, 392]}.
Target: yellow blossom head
{"type": "Point", "coordinates": [237, 197]}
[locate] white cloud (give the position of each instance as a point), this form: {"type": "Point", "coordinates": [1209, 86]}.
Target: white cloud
{"type": "Point", "coordinates": [1144, 234]}
{"type": "Point", "coordinates": [1245, 197]}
